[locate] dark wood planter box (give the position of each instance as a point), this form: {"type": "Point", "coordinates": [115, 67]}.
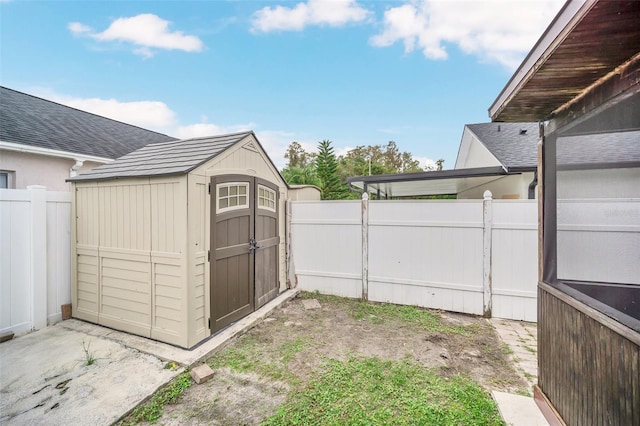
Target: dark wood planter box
{"type": "Point", "coordinates": [589, 364]}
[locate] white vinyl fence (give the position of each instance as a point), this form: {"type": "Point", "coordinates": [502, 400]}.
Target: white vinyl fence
{"type": "Point", "coordinates": [35, 264]}
{"type": "Point", "coordinates": [471, 256]}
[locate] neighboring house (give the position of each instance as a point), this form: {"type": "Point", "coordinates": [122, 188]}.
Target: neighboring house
{"type": "Point", "coordinates": [511, 146]}
{"type": "Point", "coordinates": [581, 81]}
{"type": "Point", "coordinates": [44, 143]}
{"type": "Point", "coordinates": [502, 157]}
{"type": "Point", "coordinates": [496, 157]}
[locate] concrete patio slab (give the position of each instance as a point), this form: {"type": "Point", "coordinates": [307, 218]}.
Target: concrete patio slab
{"type": "Point", "coordinates": [45, 377]}
{"type": "Point", "coordinates": [517, 410]}
{"type": "Point", "coordinates": [521, 337]}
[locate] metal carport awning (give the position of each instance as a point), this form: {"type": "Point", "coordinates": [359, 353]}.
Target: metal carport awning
{"type": "Point", "coordinates": [444, 182]}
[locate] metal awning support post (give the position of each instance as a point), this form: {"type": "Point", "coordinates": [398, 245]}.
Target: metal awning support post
{"type": "Point", "coordinates": [365, 246]}
{"type": "Point", "coordinates": [487, 210]}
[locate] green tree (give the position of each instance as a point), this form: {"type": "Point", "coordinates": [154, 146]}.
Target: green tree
{"type": "Point", "coordinates": [301, 175]}
{"type": "Point", "coordinates": [297, 156]}
{"type": "Point", "coordinates": [327, 170]}
{"type": "Point", "coordinates": [377, 160]}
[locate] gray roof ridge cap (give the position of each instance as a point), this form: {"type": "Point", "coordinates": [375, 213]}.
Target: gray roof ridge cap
{"type": "Point", "coordinates": [198, 138]}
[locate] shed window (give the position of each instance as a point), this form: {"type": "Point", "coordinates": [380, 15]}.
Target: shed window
{"type": "Point", "coordinates": [266, 198]}
{"type": "Point", "coordinates": [4, 180]}
{"type": "Point", "coordinates": [232, 196]}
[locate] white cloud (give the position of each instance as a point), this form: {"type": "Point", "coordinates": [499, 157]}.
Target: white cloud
{"type": "Point", "coordinates": [146, 31]}
{"type": "Point", "coordinates": [152, 115]}
{"type": "Point", "coordinates": [208, 129]}
{"type": "Point", "coordinates": [334, 13]}
{"type": "Point", "coordinates": [426, 163]}
{"type": "Point", "coordinates": [499, 31]}
{"type": "Point", "coordinates": [147, 114]}
{"type": "Point", "coordinates": [78, 28]}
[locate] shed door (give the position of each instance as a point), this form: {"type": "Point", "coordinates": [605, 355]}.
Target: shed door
{"type": "Point", "coordinates": [244, 252]}
{"type": "Point", "coordinates": [267, 241]}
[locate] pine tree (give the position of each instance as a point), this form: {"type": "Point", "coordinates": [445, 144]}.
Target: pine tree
{"type": "Point", "coordinates": [327, 171]}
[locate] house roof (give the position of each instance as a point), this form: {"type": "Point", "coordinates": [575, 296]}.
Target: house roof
{"type": "Point", "coordinates": [166, 158]}
{"type": "Point", "coordinates": [29, 120]}
{"type": "Point", "coordinates": [587, 40]}
{"type": "Point", "coordinates": [606, 150]}
{"type": "Point", "coordinates": [513, 144]}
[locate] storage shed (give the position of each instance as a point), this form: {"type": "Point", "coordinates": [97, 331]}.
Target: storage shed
{"type": "Point", "coordinates": [179, 239]}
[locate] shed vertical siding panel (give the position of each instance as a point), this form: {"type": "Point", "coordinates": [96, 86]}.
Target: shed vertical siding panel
{"type": "Point", "coordinates": [197, 200]}
{"type": "Point", "coordinates": [169, 294]}
{"type": "Point", "coordinates": [88, 224]}
{"type": "Point", "coordinates": [568, 338]}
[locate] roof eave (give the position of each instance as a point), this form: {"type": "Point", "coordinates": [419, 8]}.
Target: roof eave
{"type": "Point", "coordinates": [570, 14]}
{"type": "Point", "coordinates": [32, 149]}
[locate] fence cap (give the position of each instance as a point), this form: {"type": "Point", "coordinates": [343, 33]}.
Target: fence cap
{"type": "Point", "coordinates": [487, 195]}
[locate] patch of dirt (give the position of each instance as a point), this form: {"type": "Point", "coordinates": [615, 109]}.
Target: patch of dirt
{"type": "Point", "coordinates": [229, 398]}
{"type": "Point", "coordinates": [232, 398]}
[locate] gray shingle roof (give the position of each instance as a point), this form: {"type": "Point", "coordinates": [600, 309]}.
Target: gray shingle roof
{"type": "Point", "coordinates": [508, 143]}
{"type": "Point", "coordinates": [167, 158]}
{"type": "Point", "coordinates": [29, 120]}
{"type": "Point", "coordinates": [602, 148]}
{"type": "Point", "coordinates": [515, 149]}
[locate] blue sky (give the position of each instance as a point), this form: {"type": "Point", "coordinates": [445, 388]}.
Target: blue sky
{"type": "Point", "coordinates": [354, 72]}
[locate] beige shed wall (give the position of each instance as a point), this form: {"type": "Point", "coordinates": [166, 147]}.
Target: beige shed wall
{"type": "Point", "coordinates": [304, 193]}
{"type": "Point", "coordinates": [34, 169]}
{"type": "Point", "coordinates": [131, 256]}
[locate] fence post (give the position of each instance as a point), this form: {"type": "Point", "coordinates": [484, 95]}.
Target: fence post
{"type": "Point", "coordinates": [291, 279]}
{"type": "Point", "coordinates": [38, 256]}
{"type": "Point", "coordinates": [487, 215]}
{"type": "Point", "coordinates": [365, 246]}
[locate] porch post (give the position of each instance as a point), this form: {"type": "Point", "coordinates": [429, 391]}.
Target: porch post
{"type": "Point", "coordinates": [487, 210]}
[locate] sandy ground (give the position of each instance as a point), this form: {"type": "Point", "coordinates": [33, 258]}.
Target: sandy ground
{"type": "Point", "coordinates": [233, 398]}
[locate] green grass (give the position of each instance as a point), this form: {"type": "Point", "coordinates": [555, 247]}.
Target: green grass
{"type": "Point", "coordinates": [152, 410]}
{"type": "Point", "coordinates": [369, 391]}
{"type": "Point", "coordinates": [248, 355]}
{"type": "Point", "coordinates": [378, 313]}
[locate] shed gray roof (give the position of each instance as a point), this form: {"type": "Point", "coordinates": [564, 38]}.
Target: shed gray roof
{"type": "Point", "coordinates": [29, 120]}
{"type": "Point", "coordinates": [513, 144]}
{"type": "Point", "coordinates": [167, 158]}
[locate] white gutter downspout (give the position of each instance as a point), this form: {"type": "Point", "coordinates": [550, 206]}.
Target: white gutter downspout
{"type": "Point", "coordinates": [73, 171]}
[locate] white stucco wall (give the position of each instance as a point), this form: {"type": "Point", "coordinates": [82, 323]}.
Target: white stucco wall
{"type": "Point", "coordinates": [476, 156]}
{"type": "Point", "coordinates": [512, 187]}
{"type": "Point", "coordinates": [35, 169]}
